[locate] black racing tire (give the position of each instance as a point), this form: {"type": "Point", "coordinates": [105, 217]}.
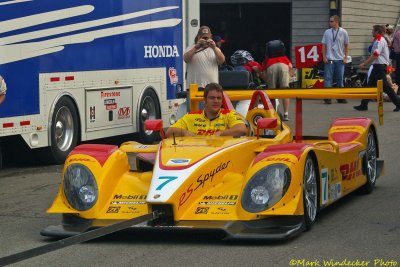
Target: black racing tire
{"type": "Point", "coordinates": [64, 129]}
{"type": "Point", "coordinates": [149, 109]}
{"type": "Point", "coordinates": [370, 162]}
{"type": "Point", "coordinates": [310, 192]}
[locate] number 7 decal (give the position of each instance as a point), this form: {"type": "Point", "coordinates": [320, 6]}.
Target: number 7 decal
{"type": "Point", "coordinates": [167, 180]}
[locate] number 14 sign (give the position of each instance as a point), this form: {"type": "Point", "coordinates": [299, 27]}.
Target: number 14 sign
{"type": "Point", "coordinates": [308, 55]}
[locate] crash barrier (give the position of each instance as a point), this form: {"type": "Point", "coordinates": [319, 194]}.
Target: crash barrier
{"type": "Point", "coordinates": [375, 93]}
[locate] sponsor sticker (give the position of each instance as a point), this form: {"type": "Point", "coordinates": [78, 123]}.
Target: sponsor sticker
{"type": "Point", "coordinates": [178, 162]}
{"type": "Point", "coordinates": [217, 203]}
{"type": "Point", "coordinates": [124, 113]}
{"type": "Point", "coordinates": [201, 210]}
{"type": "Point", "coordinates": [127, 202]}
{"type": "Point", "coordinates": [141, 146]}
{"type": "Point", "coordinates": [113, 209]}
{"type": "Point", "coordinates": [173, 76]}
{"type": "Point", "coordinates": [92, 111]}
{"type": "Point", "coordinates": [325, 183]}
{"type": "Point", "coordinates": [335, 192]}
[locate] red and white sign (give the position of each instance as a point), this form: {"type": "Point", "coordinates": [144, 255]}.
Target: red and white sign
{"type": "Point", "coordinates": [124, 113]}
{"type": "Point", "coordinates": [308, 55]}
{"type": "Point", "coordinates": [173, 77]}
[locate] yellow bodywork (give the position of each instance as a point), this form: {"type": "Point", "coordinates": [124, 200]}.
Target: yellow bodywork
{"type": "Point", "coordinates": [203, 178]}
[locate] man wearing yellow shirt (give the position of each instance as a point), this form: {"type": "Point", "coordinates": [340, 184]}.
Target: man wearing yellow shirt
{"type": "Point", "coordinates": [213, 120]}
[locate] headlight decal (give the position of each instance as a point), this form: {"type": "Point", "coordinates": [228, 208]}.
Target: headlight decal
{"type": "Point", "coordinates": [266, 187]}
{"type": "Point", "coordinates": [80, 187]}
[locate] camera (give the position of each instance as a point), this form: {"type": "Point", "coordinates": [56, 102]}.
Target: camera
{"type": "Point", "coordinates": [204, 44]}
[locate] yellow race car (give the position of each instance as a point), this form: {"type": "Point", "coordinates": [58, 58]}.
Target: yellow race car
{"type": "Point", "coordinates": [269, 185]}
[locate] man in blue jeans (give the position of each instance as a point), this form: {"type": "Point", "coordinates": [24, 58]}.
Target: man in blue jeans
{"type": "Point", "coordinates": [335, 49]}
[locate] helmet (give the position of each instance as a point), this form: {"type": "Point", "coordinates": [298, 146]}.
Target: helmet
{"type": "Point", "coordinates": [241, 57]}
{"type": "Point", "coordinates": [275, 48]}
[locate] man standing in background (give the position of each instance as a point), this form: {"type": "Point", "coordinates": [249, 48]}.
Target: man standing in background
{"type": "Point", "coordinates": [396, 47]}
{"type": "Point", "coordinates": [379, 58]}
{"type": "Point", "coordinates": [202, 59]}
{"type": "Point", "coordinates": [335, 49]}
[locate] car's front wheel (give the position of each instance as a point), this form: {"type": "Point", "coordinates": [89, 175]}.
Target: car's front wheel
{"type": "Point", "coordinates": [310, 192]}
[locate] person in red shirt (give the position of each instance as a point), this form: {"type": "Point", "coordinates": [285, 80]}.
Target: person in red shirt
{"type": "Point", "coordinates": [277, 70]}
{"type": "Point", "coordinates": [254, 67]}
{"type": "Point", "coordinates": [243, 60]}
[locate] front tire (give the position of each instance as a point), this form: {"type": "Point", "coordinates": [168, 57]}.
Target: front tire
{"type": "Point", "coordinates": [64, 129]}
{"type": "Point", "coordinates": [149, 110]}
{"type": "Point", "coordinates": [310, 192]}
{"type": "Point", "coordinates": [370, 159]}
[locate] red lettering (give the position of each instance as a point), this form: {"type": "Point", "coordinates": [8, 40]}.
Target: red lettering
{"type": "Point", "coordinates": [210, 132]}
{"type": "Point", "coordinates": [201, 132]}
{"type": "Point", "coordinates": [354, 166]}
{"type": "Point", "coordinates": [350, 170]}
{"type": "Point", "coordinates": [185, 196]}
{"type": "Point", "coordinates": [124, 111]}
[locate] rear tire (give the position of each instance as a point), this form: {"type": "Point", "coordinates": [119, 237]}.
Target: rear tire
{"type": "Point", "coordinates": [149, 110]}
{"type": "Point", "coordinates": [64, 129]}
{"type": "Point", "coordinates": [310, 192]}
{"type": "Point", "coordinates": [369, 161]}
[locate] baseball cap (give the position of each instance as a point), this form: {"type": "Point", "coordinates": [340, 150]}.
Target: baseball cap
{"type": "Point", "coordinates": [389, 27]}
{"type": "Point", "coordinates": [204, 30]}
{"type": "Point", "coordinates": [218, 38]}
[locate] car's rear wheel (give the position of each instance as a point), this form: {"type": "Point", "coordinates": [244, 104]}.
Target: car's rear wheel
{"type": "Point", "coordinates": [310, 192]}
{"type": "Point", "coordinates": [370, 159]}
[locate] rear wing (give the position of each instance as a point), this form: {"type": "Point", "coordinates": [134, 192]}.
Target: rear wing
{"type": "Point", "coordinates": [196, 96]}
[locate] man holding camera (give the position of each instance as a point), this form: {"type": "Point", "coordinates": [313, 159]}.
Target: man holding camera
{"type": "Point", "coordinates": [202, 59]}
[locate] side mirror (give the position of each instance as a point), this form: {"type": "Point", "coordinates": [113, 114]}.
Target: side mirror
{"type": "Point", "coordinates": [266, 123]}
{"type": "Point", "coordinates": [154, 125]}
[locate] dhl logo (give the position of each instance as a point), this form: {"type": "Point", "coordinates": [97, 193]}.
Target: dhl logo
{"type": "Point", "coordinates": [206, 132]}
{"type": "Point", "coordinates": [350, 170]}
{"type": "Point", "coordinates": [279, 159]}
{"type": "Point", "coordinates": [79, 160]}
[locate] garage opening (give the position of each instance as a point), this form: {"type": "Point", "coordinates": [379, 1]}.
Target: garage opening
{"type": "Point", "coordinates": [248, 26]}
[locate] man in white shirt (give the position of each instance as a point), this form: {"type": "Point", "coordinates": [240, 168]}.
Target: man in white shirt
{"type": "Point", "coordinates": [379, 58]}
{"type": "Point", "coordinates": [202, 59]}
{"type": "Point", "coordinates": [396, 47]}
